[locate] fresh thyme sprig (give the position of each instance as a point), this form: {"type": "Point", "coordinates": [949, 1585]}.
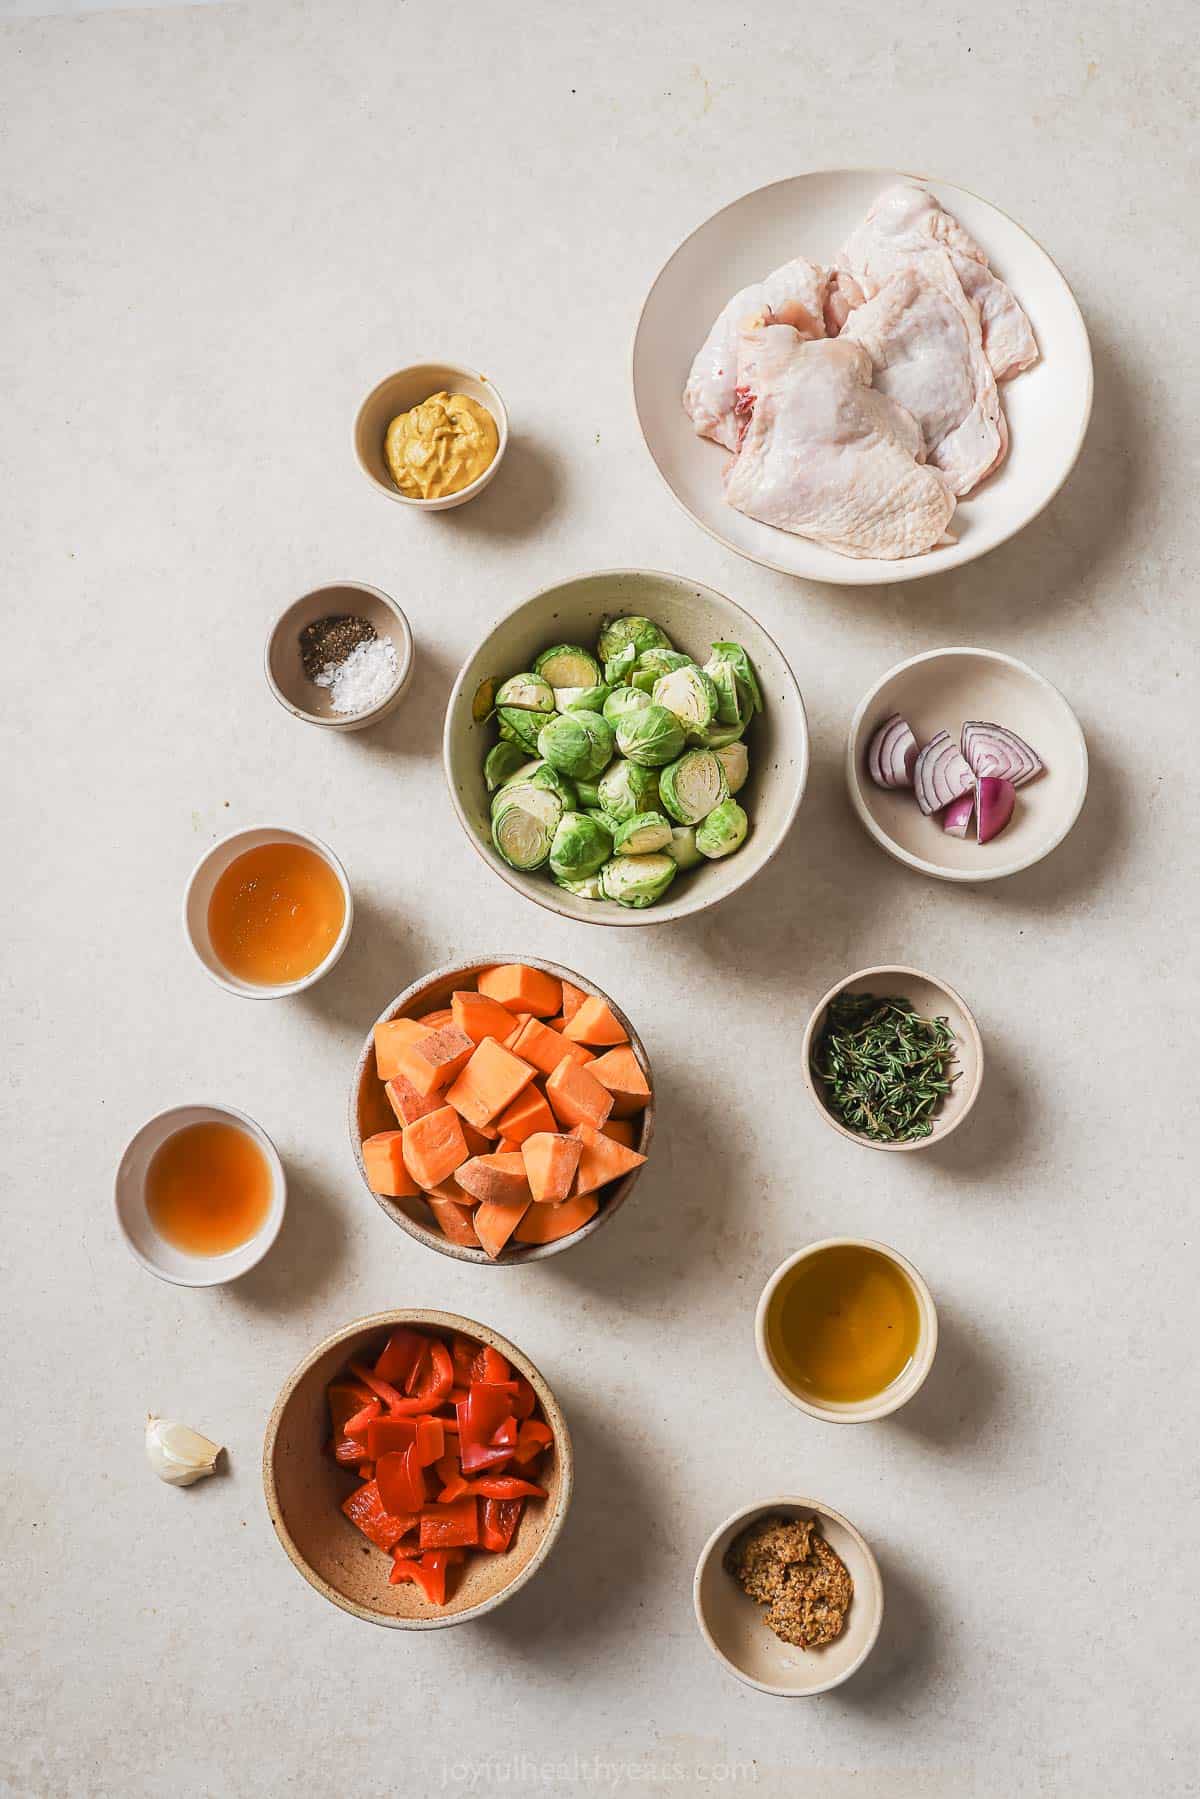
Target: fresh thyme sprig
{"type": "Point", "coordinates": [883, 1066]}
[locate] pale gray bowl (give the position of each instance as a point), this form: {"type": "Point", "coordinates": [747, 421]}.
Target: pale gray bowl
{"type": "Point", "coordinates": [400, 392]}
{"type": "Point", "coordinates": [285, 670]}
{"type": "Point", "coordinates": [694, 617]}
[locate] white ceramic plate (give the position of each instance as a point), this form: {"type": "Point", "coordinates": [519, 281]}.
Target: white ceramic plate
{"type": "Point", "coordinates": [1047, 407]}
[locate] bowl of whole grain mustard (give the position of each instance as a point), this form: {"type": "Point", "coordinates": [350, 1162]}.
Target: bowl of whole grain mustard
{"type": "Point", "coordinates": [431, 435]}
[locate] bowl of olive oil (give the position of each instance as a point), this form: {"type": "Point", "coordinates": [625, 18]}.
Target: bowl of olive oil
{"type": "Point", "coordinates": [847, 1330]}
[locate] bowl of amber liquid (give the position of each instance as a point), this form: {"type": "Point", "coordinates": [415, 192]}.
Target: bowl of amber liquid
{"type": "Point", "coordinates": [846, 1330]}
{"type": "Point", "coordinates": [268, 912]}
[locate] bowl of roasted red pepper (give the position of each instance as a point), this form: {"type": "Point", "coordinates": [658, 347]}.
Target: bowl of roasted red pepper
{"type": "Point", "coordinates": [417, 1469]}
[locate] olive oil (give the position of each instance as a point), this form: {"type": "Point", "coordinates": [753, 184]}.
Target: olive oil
{"type": "Point", "coordinates": [208, 1188]}
{"type": "Point", "coordinates": [843, 1324]}
{"type": "Point", "coordinates": [275, 914]}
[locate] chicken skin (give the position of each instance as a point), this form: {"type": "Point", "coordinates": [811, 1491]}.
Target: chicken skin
{"type": "Point", "coordinates": [794, 294]}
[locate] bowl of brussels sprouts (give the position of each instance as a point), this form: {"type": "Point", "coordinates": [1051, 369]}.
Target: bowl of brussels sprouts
{"type": "Point", "coordinates": [626, 747]}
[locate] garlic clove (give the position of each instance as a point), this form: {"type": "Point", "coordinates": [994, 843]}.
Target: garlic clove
{"type": "Point", "coordinates": [178, 1454]}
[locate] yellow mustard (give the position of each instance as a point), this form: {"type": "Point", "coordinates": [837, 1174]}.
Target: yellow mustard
{"type": "Point", "coordinates": [441, 446]}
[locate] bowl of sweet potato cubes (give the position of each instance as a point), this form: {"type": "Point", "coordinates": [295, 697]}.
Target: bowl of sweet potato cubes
{"type": "Point", "coordinates": [501, 1111]}
{"type": "Point", "coordinates": [417, 1469]}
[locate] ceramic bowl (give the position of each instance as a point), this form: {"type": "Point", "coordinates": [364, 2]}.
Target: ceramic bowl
{"type": "Point", "coordinates": [899, 1391]}
{"type": "Point", "coordinates": [731, 1623]}
{"type": "Point", "coordinates": [1047, 407]}
{"type": "Point", "coordinates": [400, 392]}
{"type": "Point", "coordinates": [370, 1111]}
{"type": "Point", "coordinates": [154, 1252]}
{"type": "Point", "coordinates": [199, 891]}
{"type": "Point", "coordinates": [932, 999]}
{"type": "Point", "coordinates": [940, 690]}
{"type": "Point", "coordinates": [305, 1489]}
{"type": "Point", "coordinates": [285, 671]}
{"type": "Point", "coordinates": [693, 616]}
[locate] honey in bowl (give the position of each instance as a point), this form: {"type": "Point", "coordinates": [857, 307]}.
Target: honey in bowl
{"type": "Point", "coordinates": [275, 914]}
{"type": "Point", "coordinates": [843, 1324]}
{"type": "Point", "coordinates": [208, 1188]}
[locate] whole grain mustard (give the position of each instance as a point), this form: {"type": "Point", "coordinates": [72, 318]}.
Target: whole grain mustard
{"type": "Point", "coordinates": [441, 446]}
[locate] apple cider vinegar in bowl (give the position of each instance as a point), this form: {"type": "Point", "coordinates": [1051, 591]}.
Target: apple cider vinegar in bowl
{"type": "Point", "coordinates": [268, 912]}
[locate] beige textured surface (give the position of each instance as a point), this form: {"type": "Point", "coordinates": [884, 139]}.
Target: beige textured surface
{"type": "Point", "coordinates": [214, 241]}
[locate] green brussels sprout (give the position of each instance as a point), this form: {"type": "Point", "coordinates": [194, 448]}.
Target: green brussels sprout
{"type": "Point", "coordinates": [688, 693]}
{"type": "Point", "coordinates": [651, 737]}
{"type": "Point", "coordinates": [637, 880]}
{"type": "Point", "coordinates": [501, 763]}
{"type": "Point", "coordinates": [719, 737]}
{"type": "Point", "coordinates": [653, 663]}
{"type": "Point", "coordinates": [581, 847]}
{"type": "Point", "coordinates": [618, 634]}
{"type": "Point", "coordinates": [723, 831]}
{"type": "Point", "coordinates": [642, 834]}
{"type": "Point", "coordinates": [617, 669]}
{"type": "Point", "coordinates": [540, 774]}
{"type": "Point", "coordinates": [691, 787]}
{"type": "Point", "coordinates": [733, 656]}
{"type": "Point", "coordinates": [588, 794]}
{"type": "Point", "coordinates": [577, 743]}
{"type": "Point", "coordinates": [625, 788]}
{"type": "Point", "coordinates": [582, 699]}
{"type": "Point", "coordinates": [568, 665]}
{"type": "Point", "coordinates": [682, 847]}
{"type": "Point", "coordinates": [528, 693]}
{"type": "Point", "coordinates": [622, 700]}
{"type": "Point", "coordinates": [588, 888]}
{"type": "Point", "coordinates": [598, 813]}
{"type": "Point", "coordinates": [736, 763]}
{"type": "Point", "coordinates": [521, 727]}
{"type": "Point", "coordinates": [524, 820]}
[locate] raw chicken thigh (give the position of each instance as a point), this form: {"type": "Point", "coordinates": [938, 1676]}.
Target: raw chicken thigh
{"type": "Point", "coordinates": [927, 352]}
{"type": "Point", "coordinates": [906, 228]}
{"type": "Point", "coordinates": [794, 294]}
{"type": "Point", "coordinates": [824, 454]}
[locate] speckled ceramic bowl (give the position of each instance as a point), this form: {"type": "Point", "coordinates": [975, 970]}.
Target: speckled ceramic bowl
{"type": "Point", "coordinates": [285, 669]}
{"type": "Point", "coordinates": [400, 392]}
{"type": "Point", "coordinates": [305, 1489]}
{"type": "Point", "coordinates": [370, 1111]}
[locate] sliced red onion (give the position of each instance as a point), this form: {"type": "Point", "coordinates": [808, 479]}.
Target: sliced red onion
{"type": "Point", "coordinates": [892, 753]}
{"type": "Point", "coordinates": [995, 750]}
{"type": "Point", "coordinates": [996, 798]}
{"type": "Point", "coordinates": [957, 817]}
{"type": "Point", "coordinates": [940, 774]}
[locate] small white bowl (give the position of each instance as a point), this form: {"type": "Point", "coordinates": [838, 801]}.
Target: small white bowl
{"type": "Point", "coordinates": [939, 690]}
{"type": "Point", "coordinates": [732, 1624]}
{"type": "Point", "coordinates": [400, 392]}
{"type": "Point", "coordinates": [199, 890]}
{"type": "Point", "coordinates": [157, 1255]}
{"type": "Point", "coordinates": [285, 669]}
{"type": "Point", "coordinates": [902, 1389]}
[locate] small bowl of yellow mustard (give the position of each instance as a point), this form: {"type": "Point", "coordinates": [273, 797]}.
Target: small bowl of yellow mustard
{"type": "Point", "coordinates": [432, 435]}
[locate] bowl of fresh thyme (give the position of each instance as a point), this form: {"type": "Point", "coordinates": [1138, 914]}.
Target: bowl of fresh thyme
{"type": "Point", "coordinates": [893, 1058]}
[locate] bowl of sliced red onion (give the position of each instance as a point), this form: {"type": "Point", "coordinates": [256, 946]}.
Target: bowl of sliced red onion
{"type": "Point", "coordinates": [966, 764]}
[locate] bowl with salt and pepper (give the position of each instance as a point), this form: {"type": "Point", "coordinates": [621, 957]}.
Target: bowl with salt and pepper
{"type": "Point", "coordinates": [340, 657]}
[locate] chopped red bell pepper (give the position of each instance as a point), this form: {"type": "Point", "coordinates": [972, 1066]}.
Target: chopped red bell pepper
{"type": "Point", "coordinates": [525, 1400]}
{"type": "Point", "coordinates": [414, 1375]}
{"type": "Point", "coordinates": [532, 1438]}
{"type": "Point", "coordinates": [388, 1436]}
{"type": "Point", "coordinates": [366, 1471]}
{"type": "Point", "coordinates": [378, 1521]}
{"type": "Point", "coordinates": [401, 1480]}
{"type": "Point", "coordinates": [443, 1526]}
{"type": "Point", "coordinates": [357, 1423]}
{"type": "Point", "coordinates": [382, 1389]}
{"type": "Point", "coordinates": [456, 1395]}
{"type": "Point", "coordinates": [450, 1475]}
{"type": "Point", "coordinates": [505, 1486]}
{"type": "Point", "coordinates": [436, 1380]}
{"type": "Point", "coordinates": [490, 1366]}
{"type": "Point", "coordinates": [487, 1430]}
{"type": "Point", "coordinates": [431, 1441]}
{"type": "Point", "coordinates": [462, 1354]}
{"type": "Point", "coordinates": [403, 1349]}
{"type": "Point", "coordinates": [429, 1573]}
{"type": "Point", "coordinates": [498, 1520]}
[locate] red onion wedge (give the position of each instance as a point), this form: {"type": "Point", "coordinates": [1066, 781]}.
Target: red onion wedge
{"type": "Point", "coordinates": [892, 753]}
{"type": "Point", "coordinates": [996, 798]}
{"type": "Point", "coordinates": [995, 750]}
{"type": "Point", "coordinates": [957, 817]}
{"type": "Point", "coordinates": [940, 774]}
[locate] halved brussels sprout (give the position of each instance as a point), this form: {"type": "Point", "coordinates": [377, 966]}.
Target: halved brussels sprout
{"type": "Point", "coordinates": [637, 880]}
{"type": "Point", "coordinates": [568, 665]}
{"type": "Point", "coordinates": [650, 737]}
{"type": "Point", "coordinates": [691, 787]}
{"type": "Point", "coordinates": [501, 763]}
{"type": "Point", "coordinates": [735, 760]}
{"type": "Point", "coordinates": [682, 847]}
{"type": "Point", "coordinates": [625, 788]}
{"type": "Point", "coordinates": [735, 656]}
{"type": "Point", "coordinates": [529, 693]}
{"type": "Point", "coordinates": [581, 847]}
{"type": "Point", "coordinates": [519, 726]}
{"type": "Point", "coordinates": [524, 821]}
{"type": "Point", "coordinates": [617, 669]}
{"type": "Point", "coordinates": [577, 743]}
{"type": "Point", "coordinates": [653, 663]}
{"type": "Point", "coordinates": [588, 794]}
{"type": "Point", "coordinates": [617, 634]}
{"type": "Point", "coordinates": [540, 774]}
{"type": "Point", "coordinates": [642, 834]}
{"type": "Point", "coordinates": [622, 700]}
{"type": "Point", "coordinates": [589, 888]}
{"type": "Point", "coordinates": [690, 695]}
{"type": "Point", "coordinates": [719, 737]}
{"type": "Point", "coordinates": [723, 831]}
{"type": "Point", "coordinates": [582, 699]}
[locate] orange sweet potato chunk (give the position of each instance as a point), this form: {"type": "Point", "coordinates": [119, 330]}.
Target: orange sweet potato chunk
{"type": "Point", "coordinates": [545, 1049]}
{"type": "Point", "coordinates": [530, 1112]}
{"type": "Point", "coordinates": [602, 1159]}
{"type": "Point", "coordinates": [455, 1220]}
{"type": "Point", "coordinates": [546, 1224]}
{"type": "Point", "coordinates": [436, 1021]}
{"type": "Point", "coordinates": [621, 1130]}
{"type": "Point", "coordinates": [388, 1039]}
{"type": "Point", "coordinates": [576, 1096]}
{"type": "Point", "coordinates": [489, 1083]}
{"type": "Point", "coordinates": [551, 1160]}
{"type": "Point", "coordinates": [522, 1019]}
{"type": "Point", "coordinates": [406, 1102]}
{"type": "Point", "coordinates": [433, 1062]}
{"type": "Point", "coordinates": [573, 998]}
{"type": "Point", "coordinates": [621, 1072]}
{"type": "Point", "coordinates": [497, 1177]}
{"type": "Point", "coordinates": [495, 1220]}
{"type": "Point", "coordinates": [434, 1147]}
{"type": "Point", "coordinates": [383, 1159]}
{"type": "Point", "coordinates": [594, 1023]}
{"type": "Point", "coordinates": [481, 1017]}
{"type": "Point", "coordinates": [522, 989]}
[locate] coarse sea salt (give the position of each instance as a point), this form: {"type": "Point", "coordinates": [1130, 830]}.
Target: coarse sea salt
{"type": "Point", "coordinates": [364, 679]}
